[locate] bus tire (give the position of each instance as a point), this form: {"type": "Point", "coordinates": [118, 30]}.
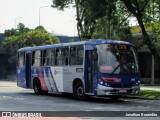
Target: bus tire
{"type": "Point", "coordinates": [78, 91]}
{"type": "Point", "coordinates": [37, 87]}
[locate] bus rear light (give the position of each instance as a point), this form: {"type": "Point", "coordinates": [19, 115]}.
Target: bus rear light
{"type": "Point", "coordinates": [111, 79]}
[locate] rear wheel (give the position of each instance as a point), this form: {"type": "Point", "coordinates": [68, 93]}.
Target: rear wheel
{"type": "Point", "coordinates": [37, 87]}
{"type": "Point", "coordinates": [78, 91]}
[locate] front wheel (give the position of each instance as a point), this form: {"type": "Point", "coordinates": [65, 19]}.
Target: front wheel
{"type": "Point", "coordinates": [78, 91]}
{"type": "Point", "coordinates": [37, 87]}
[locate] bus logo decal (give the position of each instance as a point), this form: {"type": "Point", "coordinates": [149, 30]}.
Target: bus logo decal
{"type": "Point", "coordinates": [53, 78]}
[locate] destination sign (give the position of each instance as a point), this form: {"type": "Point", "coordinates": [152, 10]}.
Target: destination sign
{"type": "Point", "coordinates": [116, 47]}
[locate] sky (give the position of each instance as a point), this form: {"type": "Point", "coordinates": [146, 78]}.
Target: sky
{"type": "Point", "coordinates": [13, 12]}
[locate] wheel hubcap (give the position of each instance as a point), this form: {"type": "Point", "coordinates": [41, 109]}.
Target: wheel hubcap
{"type": "Point", "coordinates": [36, 88]}
{"type": "Point", "coordinates": [80, 91]}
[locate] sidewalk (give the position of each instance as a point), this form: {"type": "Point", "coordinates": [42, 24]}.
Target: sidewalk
{"type": "Point", "coordinates": [150, 88]}
{"type": "Point", "coordinates": [155, 88]}
{"type": "Point", "coordinates": [143, 87]}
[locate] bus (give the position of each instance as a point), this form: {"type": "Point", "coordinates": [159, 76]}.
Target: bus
{"type": "Point", "coordinates": [95, 67]}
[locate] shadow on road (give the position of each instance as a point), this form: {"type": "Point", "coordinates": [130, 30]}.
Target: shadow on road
{"type": "Point", "coordinates": [70, 97]}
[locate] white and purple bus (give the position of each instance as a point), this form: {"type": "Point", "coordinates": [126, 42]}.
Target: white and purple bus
{"type": "Point", "coordinates": [87, 68]}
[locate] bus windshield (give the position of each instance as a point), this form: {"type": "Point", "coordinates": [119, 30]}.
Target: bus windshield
{"type": "Point", "coordinates": [117, 59]}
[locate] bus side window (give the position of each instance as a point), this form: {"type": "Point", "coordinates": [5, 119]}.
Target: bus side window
{"type": "Point", "coordinates": [80, 53]}
{"type": "Point", "coordinates": [58, 57]}
{"type": "Point", "coordinates": [21, 59]}
{"type": "Point", "coordinates": [37, 58]}
{"type": "Point", "coordinates": [33, 55]}
{"type": "Point", "coordinates": [52, 57]}
{"type": "Point", "coordinates": [45, 58]}
{"type": "Point", "coordinates": [41, 58]}
{"type": "Point", "coordinates": [56, 54]}
{"type": "Point", "coordinates": [72, 58]}
{"type": "Point", "coordinates": [65, 53]}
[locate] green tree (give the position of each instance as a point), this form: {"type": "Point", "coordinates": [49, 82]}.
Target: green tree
{"type": "Point", "coordinates": [98, 18]}
{"type": "Point", "coordinates": [138, 10]}
{"type": "Point", "coordinates": [10, 32]}
{"type": "Point", "coordinates": [115, 24]}
{"type": "Point", "coordinates": [22, 29]}
{"type": "Point", "coordinates": [40, 28]}
{"type": "Point", "coordinates": [87, 13]}
{"type": "Point", "coordinates": [24, 37]}
{"type": "Point", "coordinates": [39, 37]}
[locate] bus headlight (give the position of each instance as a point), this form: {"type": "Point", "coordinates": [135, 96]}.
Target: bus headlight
{"type": "Point", "coordinates": [101, 82]}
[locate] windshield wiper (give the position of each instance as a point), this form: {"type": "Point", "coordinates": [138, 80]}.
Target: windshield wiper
{"type": "Point", "coordinates": [121, 65]}
{"type": "Point", "coordinates": [129, 68]}
{"type": "Point", "coordinates": [115, 69]}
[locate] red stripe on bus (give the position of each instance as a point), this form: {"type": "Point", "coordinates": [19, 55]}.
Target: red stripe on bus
{"type": "Point", "coordinates": [43, 84]}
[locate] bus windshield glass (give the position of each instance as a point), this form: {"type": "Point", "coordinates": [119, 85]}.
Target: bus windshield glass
{"type": "Point", "coordinates": [117, 59]}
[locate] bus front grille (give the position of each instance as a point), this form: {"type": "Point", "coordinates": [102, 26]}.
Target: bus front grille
{"type": "Point", "coordinates": [121, 85]}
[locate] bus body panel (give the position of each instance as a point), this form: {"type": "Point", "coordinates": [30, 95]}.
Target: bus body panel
{"type": "Point", "coordinates": [119, 84]}
{"type": "Point", "coordinates": [57, 79]}
{"type": "Point", "coordinates": [21, 80]}
{"type": "Point", "coordinates": [69, 75]}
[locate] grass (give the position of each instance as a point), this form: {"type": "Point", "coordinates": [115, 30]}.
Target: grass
{"type": "Point", "coordinates": [154, 94]}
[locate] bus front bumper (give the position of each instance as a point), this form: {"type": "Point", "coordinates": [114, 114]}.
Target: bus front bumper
{"type": "Point", "coordinates": [104, 90]}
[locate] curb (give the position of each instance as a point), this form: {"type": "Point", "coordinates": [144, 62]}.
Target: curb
{"type": "Point", "coordinates": [140, 97]}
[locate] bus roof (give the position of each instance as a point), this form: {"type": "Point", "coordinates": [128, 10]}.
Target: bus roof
{"type": "Point", "coordinates": [89, 42]}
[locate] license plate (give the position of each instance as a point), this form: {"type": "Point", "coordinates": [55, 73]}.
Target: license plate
{"type": "Point", "coordinates": [122, 91]}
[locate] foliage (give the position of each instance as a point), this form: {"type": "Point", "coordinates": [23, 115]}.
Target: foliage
{"type": "Point", "coordinates": [87, 13]}
{"type": "Point", "coordinates": [140, 10]}
{"type": "Point", "coordinates": [148, 27]}
{"type": "Point", "coordinates": [40, 28]}
{"type": "Point", "coordinates": [150, 93]}
{"type": "Point", "coordinates": [115, 25]}
{"type": "Point", "coordinates": [98, 18]}
{"type": "Point", "coordinates": [24, 37]}
{"type": "Point", "coordinates": [61, 4]}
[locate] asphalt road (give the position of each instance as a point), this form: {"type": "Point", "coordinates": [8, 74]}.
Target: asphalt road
{"type": "Point", "coordinates": [13, 98]}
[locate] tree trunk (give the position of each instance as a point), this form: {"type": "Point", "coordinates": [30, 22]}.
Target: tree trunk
{"type": "Point", "coordinates": [148, 41]}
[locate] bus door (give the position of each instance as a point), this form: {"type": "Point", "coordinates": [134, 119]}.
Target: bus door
{"type": "Point", "coordinates": [28, 70]}
{"type": "Point", "coordinates": [90, 72]}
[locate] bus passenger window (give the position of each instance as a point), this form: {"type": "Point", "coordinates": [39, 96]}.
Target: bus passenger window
{"type": "Point", "coordinates": [80, 55]}
{"type": "Point", "coordinates": [58, 57]}
{"type": "Point", "coordinates": [51, 57]}
{"type": "Point", "coordinates": [56, 62]}
{"type": "Point", "coordinates": [72, 58]}
{"type": "Point", "coordinates": [45, 58]}
{"type": "Point", "coordinates": [33, 55]}
{"type": "Point", "coordinates": [37, 58]}
{"type": "Point", "coordinates": [21, 59]}
{"type": "Point", "coordinates": [65, 53]}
